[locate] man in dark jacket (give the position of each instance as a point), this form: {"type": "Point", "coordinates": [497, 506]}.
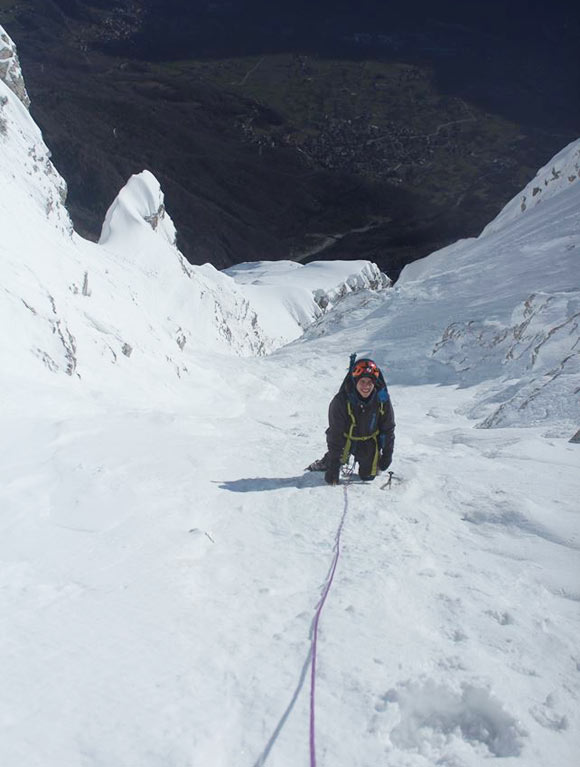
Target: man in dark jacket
{"type": "Point", "coordinates": [361, 423]}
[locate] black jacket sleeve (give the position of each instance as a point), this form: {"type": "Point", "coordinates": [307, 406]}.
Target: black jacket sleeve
{"type": "Point", "coordinates": [387, 429]}
{"type": "Point", "coordinates": [338, 422]}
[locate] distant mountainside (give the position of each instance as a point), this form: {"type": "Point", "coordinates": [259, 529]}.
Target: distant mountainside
{"type": "Point", "coordinates": [304, 132]}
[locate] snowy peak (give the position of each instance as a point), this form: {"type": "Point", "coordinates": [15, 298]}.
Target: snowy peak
{"type": "Point", "coordinates": [10, 71]}
{"type": "Point", "coordinates": [137, 212]}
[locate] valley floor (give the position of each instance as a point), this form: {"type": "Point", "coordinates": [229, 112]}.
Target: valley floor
{"type": "Point", "coordinates": [160, 573]}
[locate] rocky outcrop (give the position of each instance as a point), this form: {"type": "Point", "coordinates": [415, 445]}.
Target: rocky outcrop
{"type": "Point", "coordinates": [10, 71]}
{"type": "Point", "coordinates": [24, 156]}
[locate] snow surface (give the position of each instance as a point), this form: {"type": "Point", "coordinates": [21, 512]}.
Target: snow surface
{"type": "Point", "coordinates": [163, 552]}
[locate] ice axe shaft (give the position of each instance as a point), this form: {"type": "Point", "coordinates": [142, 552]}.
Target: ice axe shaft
{"type": "Point", "coordinates": [389, 482]}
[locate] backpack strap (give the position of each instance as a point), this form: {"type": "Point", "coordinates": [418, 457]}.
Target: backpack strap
{"type": "Point", "coordinates": [348, 435]}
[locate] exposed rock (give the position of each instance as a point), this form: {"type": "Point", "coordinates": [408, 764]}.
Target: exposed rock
{"type": "Point", "coordinates": [10, 71]}
{"type": "Point", "coordinates": [25, 155]}
{"type": "Point", "coordinates": [576, 438]}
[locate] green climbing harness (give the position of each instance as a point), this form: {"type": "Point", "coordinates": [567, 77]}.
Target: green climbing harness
{"type": "Point", "coordinates": [350, 439]}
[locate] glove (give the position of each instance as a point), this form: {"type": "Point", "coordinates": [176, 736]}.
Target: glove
{"type": "Point", "coordinates": [331, 474]}
{"type": "Point", "coordinates": [385, 461]}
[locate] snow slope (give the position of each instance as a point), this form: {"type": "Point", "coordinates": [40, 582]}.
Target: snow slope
{"type": "Point", "coordinates": [163, 553]}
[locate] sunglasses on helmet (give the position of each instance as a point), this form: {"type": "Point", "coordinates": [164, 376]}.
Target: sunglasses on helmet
{"type": "Point", "coordinates": [365, 368]}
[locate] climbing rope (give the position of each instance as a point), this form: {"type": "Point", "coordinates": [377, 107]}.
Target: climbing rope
{"type": "Point", "coordinates": [314, 629]}
{"type": "Point", "coordinates": [312, 657]}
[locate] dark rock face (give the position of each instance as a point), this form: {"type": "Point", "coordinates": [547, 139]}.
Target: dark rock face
{"type": "Point", "coordinates": [299, 132]}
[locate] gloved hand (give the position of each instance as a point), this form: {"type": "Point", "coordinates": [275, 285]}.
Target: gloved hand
{"type": "Point", "coordinates": [385, 461]}
{"type": "Point", "coordinates": [332, 473]}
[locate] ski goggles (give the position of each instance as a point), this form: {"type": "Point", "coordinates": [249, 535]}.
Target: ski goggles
{"type": "Point", "coordinates": [365, 368]}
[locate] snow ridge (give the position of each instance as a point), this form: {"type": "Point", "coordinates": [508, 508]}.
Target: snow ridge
{"type": "Point", "coordinates": [289, 296]}
{"type": "Point", "coordinates": [557, 175]}
{"type": "Point", "coordinates": [25, 166]}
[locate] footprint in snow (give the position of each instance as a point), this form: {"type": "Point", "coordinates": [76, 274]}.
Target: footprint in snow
{"type": "Point", "coordinates": [433, 720]}
{"type": "Point", "coordinates": [503, 618]}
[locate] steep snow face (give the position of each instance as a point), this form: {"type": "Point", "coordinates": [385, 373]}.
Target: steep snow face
{"type": "Point", "coordinates": [10, 71]}
{"type": "Point", "coordinates": [562, 171]}
{"type": "Point", "coordinates": [289, 296]}
{"type": "Point", "coordinates": [32, 188]}
{"type": "Point", "coordinates": [514, 305]}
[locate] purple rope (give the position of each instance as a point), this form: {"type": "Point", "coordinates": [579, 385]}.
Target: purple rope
{"type": "Point", "coordinates": [320, 605]}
